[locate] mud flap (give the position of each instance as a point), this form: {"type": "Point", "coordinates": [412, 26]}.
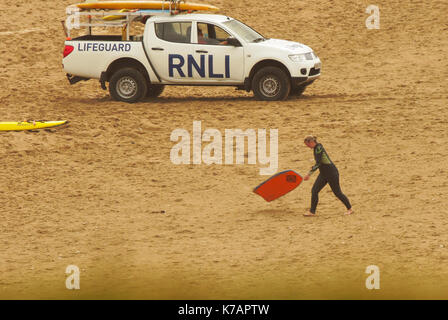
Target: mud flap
{"type": "Point", "coordinates": [103, 79]}
{"type": "Point", "coordinates": [75, 79]}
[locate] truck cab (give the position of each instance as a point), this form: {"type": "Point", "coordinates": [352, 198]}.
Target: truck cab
{"type": "Point", "coordinates": [192, 49]}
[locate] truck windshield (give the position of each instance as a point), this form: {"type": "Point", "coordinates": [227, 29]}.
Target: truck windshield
{"type": "Point", "coordinates": [245, 32]}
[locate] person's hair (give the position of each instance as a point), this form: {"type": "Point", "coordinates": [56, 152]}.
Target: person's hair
{"type": "Point", "coordinates": [310, 138]}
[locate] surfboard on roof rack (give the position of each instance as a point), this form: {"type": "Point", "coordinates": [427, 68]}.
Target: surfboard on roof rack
{"type": "Point", "coordinates": [158, 5]}
{"type": "Point", "coordinates": [123, 13]}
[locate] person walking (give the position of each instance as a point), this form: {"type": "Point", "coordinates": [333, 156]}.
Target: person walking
{"type": "Point", "coordinates": [328, 173]}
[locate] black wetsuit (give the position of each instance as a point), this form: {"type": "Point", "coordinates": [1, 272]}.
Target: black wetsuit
{"type": "Point", "coordinates": [328, 174]}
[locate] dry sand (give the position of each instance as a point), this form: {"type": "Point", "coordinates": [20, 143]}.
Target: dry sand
{"type": "Point", "coordinates": [87, 195]}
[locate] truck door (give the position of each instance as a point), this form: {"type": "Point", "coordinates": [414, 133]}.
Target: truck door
{"type": "Point", "coordinates": [214, 60]}
{"type": "Point", "coordinates": [168, 48]}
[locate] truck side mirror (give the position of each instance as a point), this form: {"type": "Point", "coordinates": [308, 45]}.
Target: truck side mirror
{"type": "Point", "coordinates": [233, 42]}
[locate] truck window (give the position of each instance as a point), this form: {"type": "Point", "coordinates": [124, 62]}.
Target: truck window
{"type": "Point", "coordinates": [211, 34]}
{"type": "Point", "coordinates": [242, 30]}
{"type": "Point", "coordinates": [174, 31]}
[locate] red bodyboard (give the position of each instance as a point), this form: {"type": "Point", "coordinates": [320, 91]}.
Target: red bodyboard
{"type": "Point", "coordinates": [279, 185]}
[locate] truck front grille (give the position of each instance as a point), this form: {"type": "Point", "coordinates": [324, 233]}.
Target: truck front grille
{"type": "Point", "coordinates": [314, 71]}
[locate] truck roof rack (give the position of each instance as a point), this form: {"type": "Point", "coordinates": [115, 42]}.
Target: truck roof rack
{"type": "Point", "coordinates": [95, 17]}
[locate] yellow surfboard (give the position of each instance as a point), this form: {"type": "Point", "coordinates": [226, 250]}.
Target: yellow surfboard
{"type": "Point", "coordinates": [116, 17]}
{"type": "Point", "coordinates": [156, 5]}
{"type": "Point", "coordinates": [30, 125]}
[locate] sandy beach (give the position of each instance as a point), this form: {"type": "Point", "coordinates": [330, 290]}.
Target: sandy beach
{"type": "Point", "coordinates": [103, 194]}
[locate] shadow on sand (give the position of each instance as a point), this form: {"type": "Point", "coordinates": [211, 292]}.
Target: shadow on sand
{"type": "Point", "coordinates": [276, 212]}
{"type": "Point", "coordinates": [224, 98]}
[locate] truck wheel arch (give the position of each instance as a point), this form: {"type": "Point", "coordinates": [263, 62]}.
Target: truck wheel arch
{"type": "Point", "coordinates": [126, 63]}
{"type": "Point", "coordinates": [265, 63]}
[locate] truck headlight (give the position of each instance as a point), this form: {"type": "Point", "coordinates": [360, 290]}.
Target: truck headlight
{"type": "Point", "coordinates": [297, 57]}
{"type": "Point", "coordinates": [302, 57]}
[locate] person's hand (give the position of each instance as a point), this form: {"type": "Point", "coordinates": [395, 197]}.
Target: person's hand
{"type": "Point", "coordinates": [307, 177]}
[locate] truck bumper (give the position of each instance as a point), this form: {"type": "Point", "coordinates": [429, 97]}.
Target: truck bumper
{"type": "Point", "coordinates": [298, 81]}
{"type": "Point", "coordinates": [306, 71]}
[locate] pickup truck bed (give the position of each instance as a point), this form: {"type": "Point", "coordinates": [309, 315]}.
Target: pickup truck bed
{"type": "Point", "coordinates": [105, 38]}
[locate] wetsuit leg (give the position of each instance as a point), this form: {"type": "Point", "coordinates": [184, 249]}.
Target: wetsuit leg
{"type": "Point", "coordinates": [333, 180]}
{"type": "Point", "coordinates": [320, 182]}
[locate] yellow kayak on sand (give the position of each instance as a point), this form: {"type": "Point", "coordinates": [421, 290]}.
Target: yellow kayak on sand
{"type": "Point", "coordinates": [30, 125]}
{"type": "Point", "coordinates": [157, 5]}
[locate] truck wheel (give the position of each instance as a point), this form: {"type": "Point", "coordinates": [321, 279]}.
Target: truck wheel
{"type": "Point", "coordinates": [270, 84]}
{"type": "Point", "coordinates": [155, 90]}
{"type": "Point", "coordinates": [128, 85]}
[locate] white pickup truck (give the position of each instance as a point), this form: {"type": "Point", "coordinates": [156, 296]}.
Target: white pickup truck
{"type": "Point", "coordinates": [192, 50]}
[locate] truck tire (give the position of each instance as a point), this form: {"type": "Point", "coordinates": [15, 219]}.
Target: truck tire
{"type": "Point", "coordinates": [155, 90]}
{"type": "Point", "coordinates": [271, 84]}
{"type": "Point", "coordinates": [128, 85]}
